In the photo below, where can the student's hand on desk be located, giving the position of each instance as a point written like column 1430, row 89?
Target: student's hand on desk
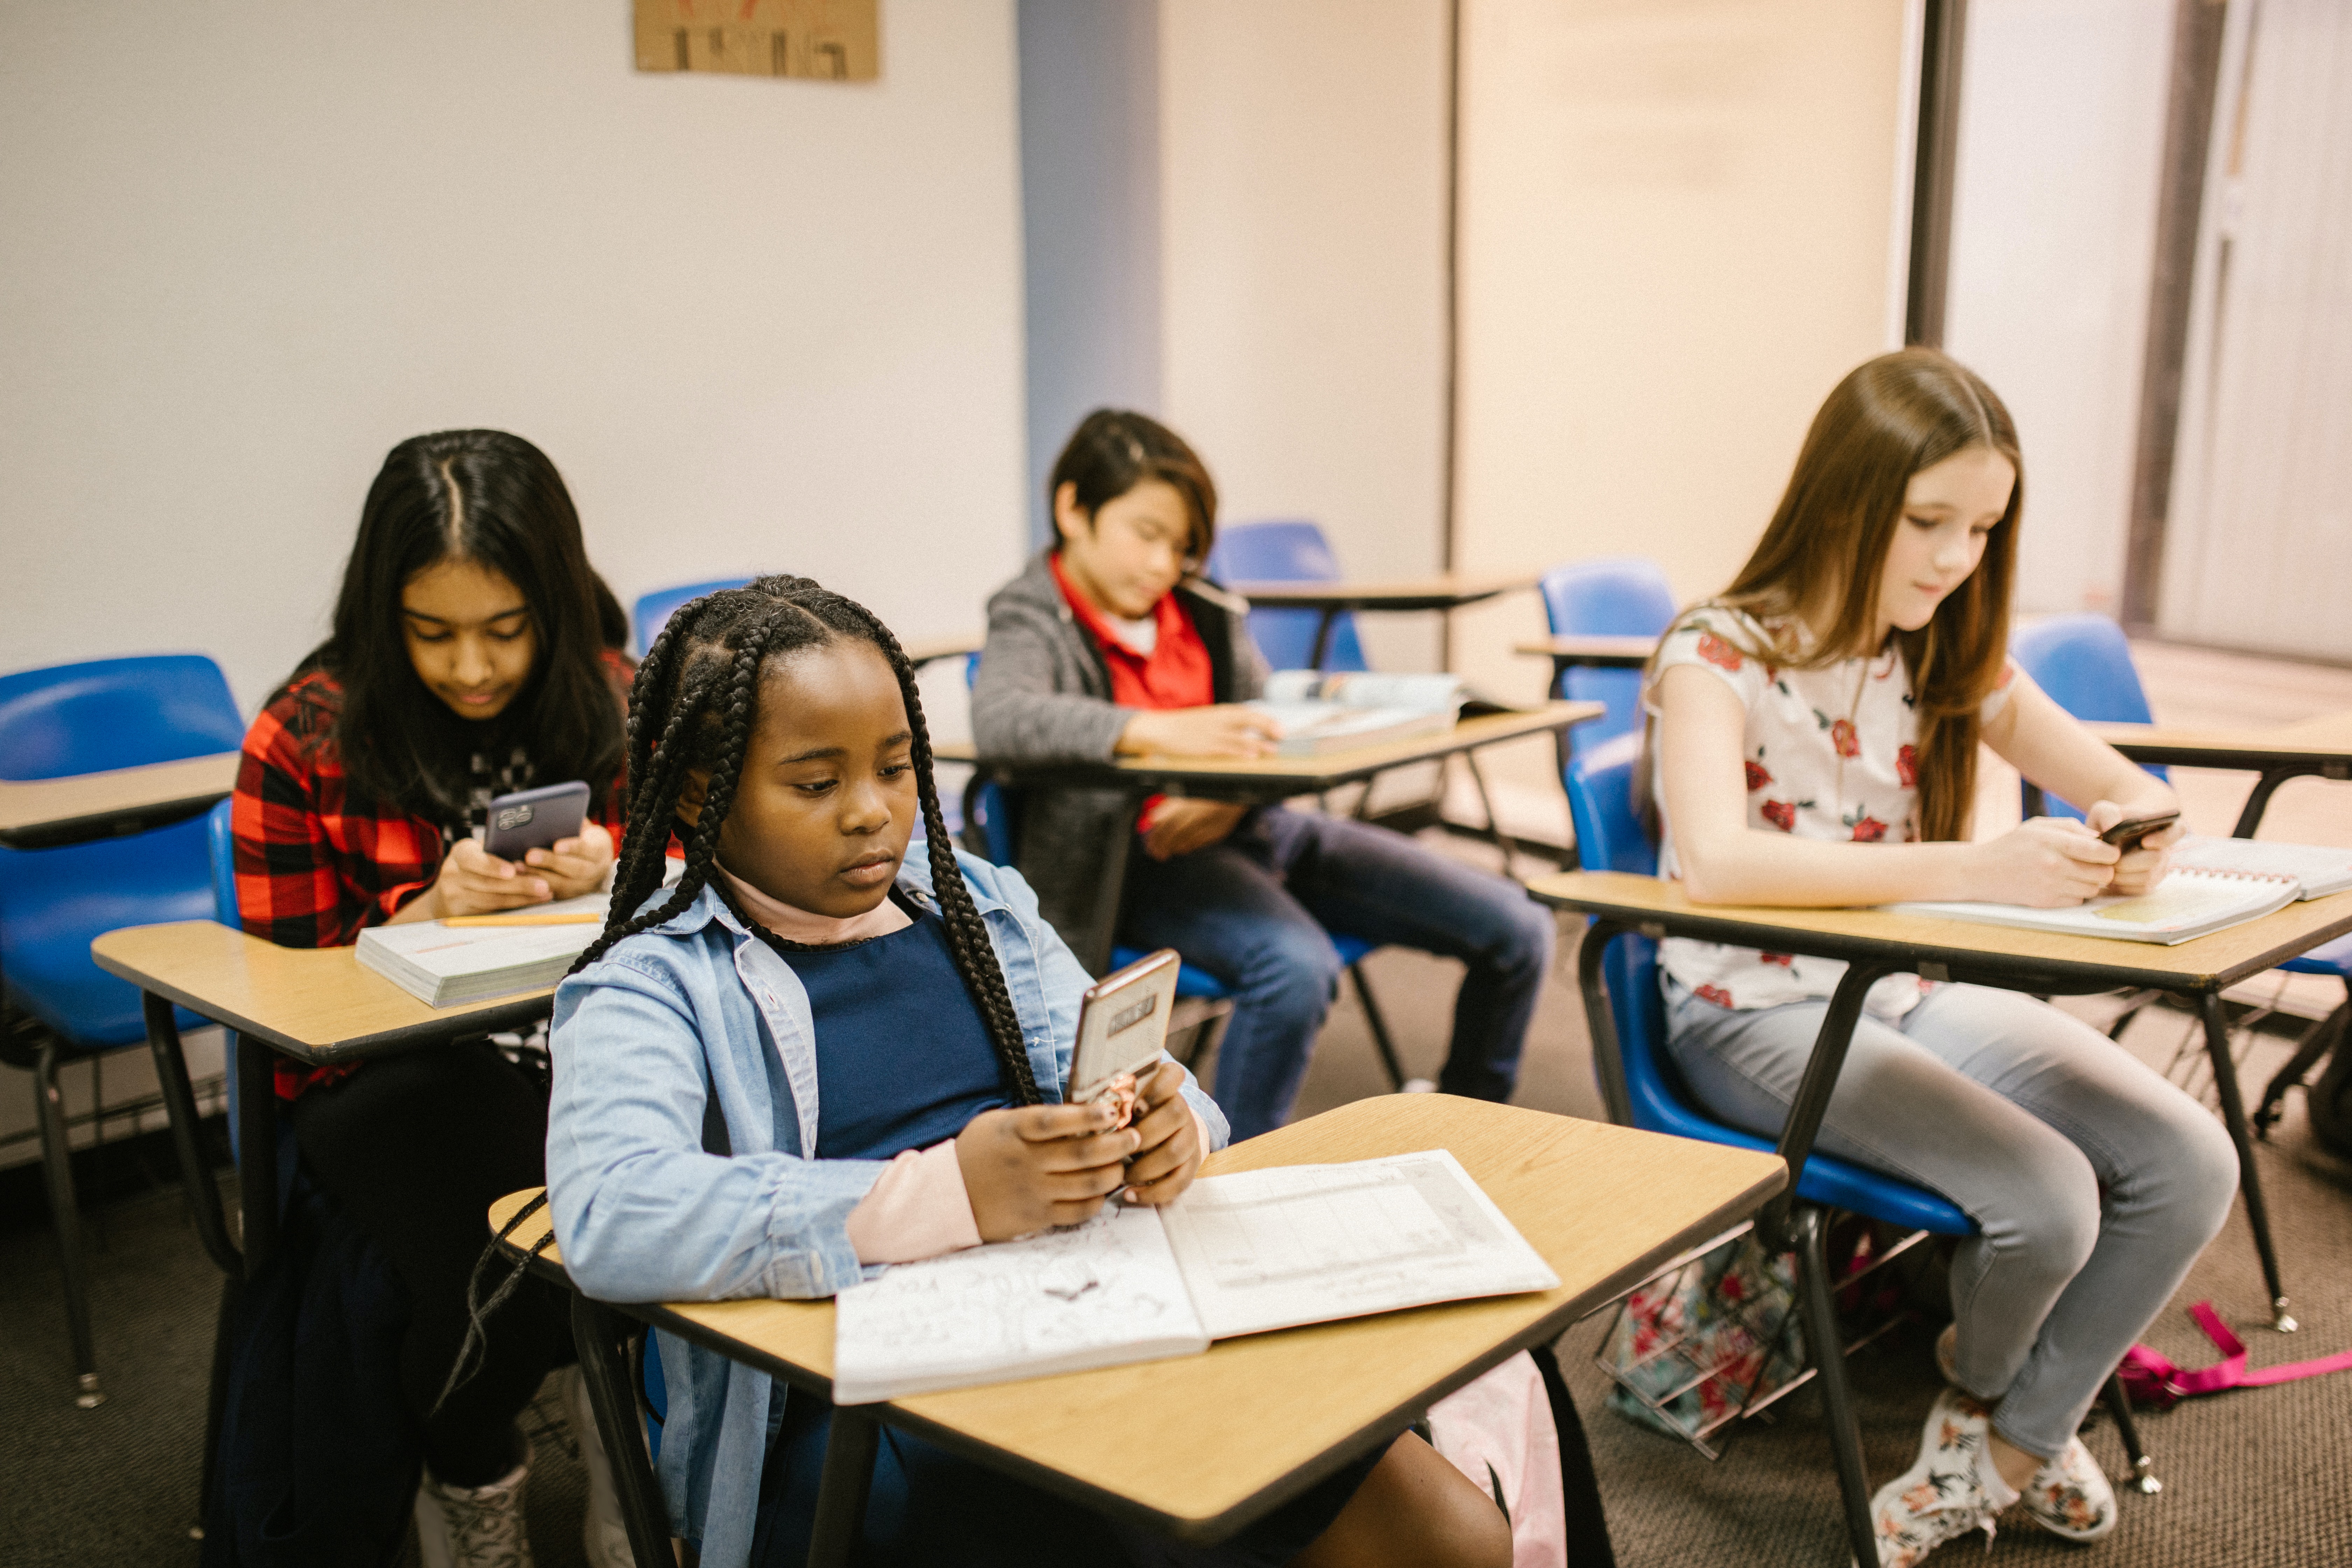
column 2047, row 863
column 574, row 866
column 1227, row 730
column 1180, row 826
column 1038, row 1165
column 2142, row 867
column 1170, row 1153
column 473, row 881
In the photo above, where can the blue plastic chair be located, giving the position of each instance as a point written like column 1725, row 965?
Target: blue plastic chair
column 654, row 610
column 2084, row 664
column 1608, row 595
column 1292, row 551
column 55, row 723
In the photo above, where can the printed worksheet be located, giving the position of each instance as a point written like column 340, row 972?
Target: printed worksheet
column 1098, row 1294
column 1306, row 1244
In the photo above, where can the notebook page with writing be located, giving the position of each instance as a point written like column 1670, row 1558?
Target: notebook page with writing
column 1099, row 1294
column 1307, row 1244
column 2320, row 870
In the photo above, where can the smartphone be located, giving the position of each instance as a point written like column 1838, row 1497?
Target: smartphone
column 1123, row 1024
column 2127, row 834
column 534, row 819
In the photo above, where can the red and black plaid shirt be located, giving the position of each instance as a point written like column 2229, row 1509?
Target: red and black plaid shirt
column 315, row 867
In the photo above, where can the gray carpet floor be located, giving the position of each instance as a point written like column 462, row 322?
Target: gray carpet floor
column 2253, row 1479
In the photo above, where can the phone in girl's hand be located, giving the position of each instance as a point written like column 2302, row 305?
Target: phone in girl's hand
column 535, row 819
column 1123, row 1027
column 2126, row 835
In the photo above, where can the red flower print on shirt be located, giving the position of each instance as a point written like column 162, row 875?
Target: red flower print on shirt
column 1714, row 994
column 1781, row 813
column 1907, row 765
column 1869, row 830
column 1716, row 651
column 1785, row 960
column 1842, row 737
column 1756, row 776
column 2008, row 674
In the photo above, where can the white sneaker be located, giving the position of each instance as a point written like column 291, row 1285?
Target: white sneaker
column 605, row 1536
column 1947, row 1353
column 474, row 1527
column 1945, row 1495
column 2070, row 1496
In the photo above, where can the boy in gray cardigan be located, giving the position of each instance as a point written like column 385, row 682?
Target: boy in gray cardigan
column 1111, row 643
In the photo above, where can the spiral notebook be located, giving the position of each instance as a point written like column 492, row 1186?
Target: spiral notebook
column 2189, row 903
column 2317, row 869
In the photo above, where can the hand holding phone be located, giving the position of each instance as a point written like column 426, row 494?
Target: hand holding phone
column 2127, row 834
column 1122, row 1030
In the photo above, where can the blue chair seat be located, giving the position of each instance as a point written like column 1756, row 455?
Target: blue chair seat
column 654, row 610
column 1291, row 551
column 2332, row 959
column 1608, row 595
column 56, row 899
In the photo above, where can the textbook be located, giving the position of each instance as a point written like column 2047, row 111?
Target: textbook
column 2190, row 902
column 443, row 965
column 2318, row 871
column 1244, row 1254
column 1324, row 714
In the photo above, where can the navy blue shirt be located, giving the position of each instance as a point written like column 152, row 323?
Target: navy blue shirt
column 903, row 1060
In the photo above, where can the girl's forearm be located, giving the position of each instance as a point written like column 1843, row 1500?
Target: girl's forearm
column 1748, row 866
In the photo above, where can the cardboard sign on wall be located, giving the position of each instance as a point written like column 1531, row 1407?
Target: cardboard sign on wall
column 831, row 40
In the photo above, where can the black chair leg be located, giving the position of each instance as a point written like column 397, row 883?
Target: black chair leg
column 1815, row 1297
column 217, row 1394
column 2118, row 1401
column 65, row 1212
column 2250, row 1183
column 1379, row 1026
column 600, row 1335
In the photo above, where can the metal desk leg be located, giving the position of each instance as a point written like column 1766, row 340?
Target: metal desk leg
column 598, row 1333
column 1600, row 1019
column 849, row 1448
column 2249, row 816
column 65, row 1213
column 2233, row 1116
column 2143, row 1477
column 179, row 1105
column 256, row 1152
column 1812, row 1100
column 1102, row 933
column 1810, row 1238
column 1322, row 637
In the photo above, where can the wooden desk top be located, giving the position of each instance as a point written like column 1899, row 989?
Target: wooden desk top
column 1603, row 1205
column 1446, row 591
column 2324, row 742
column 316, row 1004
column 1594, row 652
column 2064, row 962
column 38, row 813
column 920, row 651
column 1280, row 777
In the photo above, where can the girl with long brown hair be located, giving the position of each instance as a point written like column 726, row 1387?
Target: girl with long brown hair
column 1814, row 744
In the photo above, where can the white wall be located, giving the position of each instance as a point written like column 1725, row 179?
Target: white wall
column 1303, row 221
column 2054, row 241
column 248, row 245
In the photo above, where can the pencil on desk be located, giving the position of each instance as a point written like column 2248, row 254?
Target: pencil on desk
column 575, row 918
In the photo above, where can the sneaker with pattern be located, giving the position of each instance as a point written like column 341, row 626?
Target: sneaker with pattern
column 1943, row 1497
column 2069, row 1497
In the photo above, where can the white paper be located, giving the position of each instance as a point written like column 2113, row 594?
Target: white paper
column 2321, row 870
column 1100, row 1294
column 1307, row 1244
column 2186, row 904
column 442, row 965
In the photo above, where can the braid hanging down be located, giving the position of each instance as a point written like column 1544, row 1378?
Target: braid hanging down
column 693, row 706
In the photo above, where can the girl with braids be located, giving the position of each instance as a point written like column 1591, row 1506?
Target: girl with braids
column 820, row 1052
column 474, row 651
column 1816, row 734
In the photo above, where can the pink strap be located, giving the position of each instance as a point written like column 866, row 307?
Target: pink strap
column 2153, row 1380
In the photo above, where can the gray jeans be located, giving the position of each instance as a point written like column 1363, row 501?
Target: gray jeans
column 2094, row 1182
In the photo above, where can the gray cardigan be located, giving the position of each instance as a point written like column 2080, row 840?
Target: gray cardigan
column 1043, row 695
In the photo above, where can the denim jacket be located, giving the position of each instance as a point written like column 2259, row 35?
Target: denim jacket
column 641, row 1038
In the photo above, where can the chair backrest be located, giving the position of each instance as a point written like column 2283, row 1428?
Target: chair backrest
column 1608, row 595
column 2084, row 663
column 220, row 851
column 108, row 713
column 1600, row 804
column 1286, row 550
column 654, row 610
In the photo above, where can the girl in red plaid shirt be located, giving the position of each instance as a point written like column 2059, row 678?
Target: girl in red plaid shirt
column 474, row 651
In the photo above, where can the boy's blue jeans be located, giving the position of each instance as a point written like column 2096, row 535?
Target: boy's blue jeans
column 1256, row 909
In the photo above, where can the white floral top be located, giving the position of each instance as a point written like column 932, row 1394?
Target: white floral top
column 1830, row 754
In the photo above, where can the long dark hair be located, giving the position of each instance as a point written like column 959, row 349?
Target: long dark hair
column 1827, row 542
column 1114, row 450
column 693, row 707
column 487, row 497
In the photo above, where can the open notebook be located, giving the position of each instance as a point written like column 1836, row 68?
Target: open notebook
column 1236, row 1255
column 1323, row 713
column 2186, row 904
column 444, row 965
column 2316, row 869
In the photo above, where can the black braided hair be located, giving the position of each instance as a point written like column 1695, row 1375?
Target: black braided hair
column 693, row 706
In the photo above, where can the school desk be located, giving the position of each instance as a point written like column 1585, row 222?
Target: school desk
column 2312, row 748
column 1568, row 653
column 1875, row 943
column 920, row 651
column 1201, row 1446
column 1257, row 781
column 43, row 813
column 312, row 1006
column 1447, row 590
